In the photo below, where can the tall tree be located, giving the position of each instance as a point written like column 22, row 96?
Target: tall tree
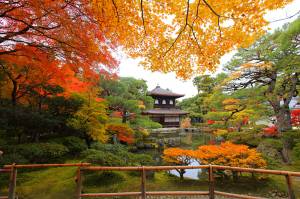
column 273, row 64
column 54, row 27
column 90, row 120
column 204, row 84
column 125, row 95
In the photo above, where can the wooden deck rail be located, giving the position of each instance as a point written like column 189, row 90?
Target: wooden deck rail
column 143, row 192
column 4, row 171
column 211, row 193
column 31, row 166
column 13, row 174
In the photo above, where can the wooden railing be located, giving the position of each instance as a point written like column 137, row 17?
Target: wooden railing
column 143, row 193
column 4, row 171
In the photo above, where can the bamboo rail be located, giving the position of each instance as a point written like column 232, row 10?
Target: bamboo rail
column 31, row 166
column 12, row 169
column 13, row 174
column 4, row 171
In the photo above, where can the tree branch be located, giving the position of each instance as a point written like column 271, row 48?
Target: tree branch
column 143, row 20
column 215, row 13
column 116, row 10
column 183, row 28
column 289, row 17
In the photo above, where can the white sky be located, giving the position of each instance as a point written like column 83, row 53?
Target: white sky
column 130, row 67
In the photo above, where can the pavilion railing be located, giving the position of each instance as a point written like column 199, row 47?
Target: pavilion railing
column 143, row 193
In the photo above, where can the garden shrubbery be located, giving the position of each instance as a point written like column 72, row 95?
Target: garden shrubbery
column 74, row 144
column 296, row 151
column 103, row 158
column 273, row 143
column 292, row 137
column 250, row 138
column 34, row 153
column 114, row 155
column 144, row 122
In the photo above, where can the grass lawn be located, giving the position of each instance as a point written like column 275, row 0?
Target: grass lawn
column 56, row 183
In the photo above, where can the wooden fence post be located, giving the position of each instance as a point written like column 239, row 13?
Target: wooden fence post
column 290, row 187
column 211, row 182
column 78, row 183
column 12, row 182
column 143, row 183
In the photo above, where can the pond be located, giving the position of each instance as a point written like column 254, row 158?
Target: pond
column 190, row 173
column 188, row 140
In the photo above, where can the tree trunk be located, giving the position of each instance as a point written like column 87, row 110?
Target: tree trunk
column 124, row 116
column 87, row 141
column 14, row 93
column 283, row 117
column 235, row 176
column 181, row 173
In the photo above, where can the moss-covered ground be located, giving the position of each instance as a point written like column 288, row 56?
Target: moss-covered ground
column 59, row 183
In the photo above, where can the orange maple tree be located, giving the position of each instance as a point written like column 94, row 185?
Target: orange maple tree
column 123, row 132
column 229, row 154
column 173, row 36
column 178, row 156
column 42, row 44
column 64, row 30
column 38, row 74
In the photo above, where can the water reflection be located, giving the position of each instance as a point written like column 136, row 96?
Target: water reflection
column 189, row 173
column 187, row 140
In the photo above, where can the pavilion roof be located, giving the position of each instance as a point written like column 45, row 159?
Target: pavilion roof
column 158, row 91
column 165, row 111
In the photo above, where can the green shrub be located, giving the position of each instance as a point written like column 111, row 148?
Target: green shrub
column 102, row 158
column 291, row 137
column 113, row 148
column 248, row 138
column 274, row 143
column 217, row 126
column 270, row 152
column 74, row 144
column 13, row 158
column 272, row 163
column 144, row 122
column 296, row 151
column 115, row 155
column 41, row 152
column 140, row 159
column 103, row 178
column 216, row 116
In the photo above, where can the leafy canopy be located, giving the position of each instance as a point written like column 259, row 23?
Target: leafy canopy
column 183, row 36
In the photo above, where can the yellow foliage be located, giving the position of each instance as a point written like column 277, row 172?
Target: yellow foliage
column 231, row 101
column 185, row 37
column 249, row 65
column 186, row 123
column 141, row 104
column 220, row 132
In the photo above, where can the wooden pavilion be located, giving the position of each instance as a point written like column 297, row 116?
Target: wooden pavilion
column 165, row 111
